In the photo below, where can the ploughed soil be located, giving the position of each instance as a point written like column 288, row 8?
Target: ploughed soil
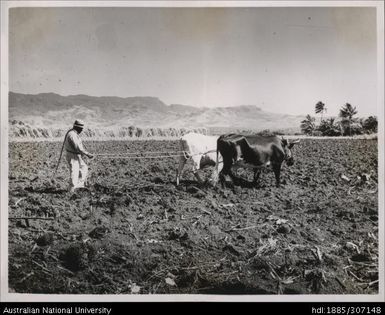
column 135, row 232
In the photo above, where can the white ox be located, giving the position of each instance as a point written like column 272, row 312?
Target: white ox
column 202, row 150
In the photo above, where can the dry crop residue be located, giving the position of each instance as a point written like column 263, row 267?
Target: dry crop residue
column 135, row 232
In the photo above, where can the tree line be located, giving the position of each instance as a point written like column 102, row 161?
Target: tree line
column 346, row 124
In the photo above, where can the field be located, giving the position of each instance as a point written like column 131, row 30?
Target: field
column 135, row 232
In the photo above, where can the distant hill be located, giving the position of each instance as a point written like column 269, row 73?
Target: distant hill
column 50, row 110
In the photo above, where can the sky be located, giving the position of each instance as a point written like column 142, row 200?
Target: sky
column 282, row 60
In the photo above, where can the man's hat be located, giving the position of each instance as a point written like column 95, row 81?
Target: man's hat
column 79, row 123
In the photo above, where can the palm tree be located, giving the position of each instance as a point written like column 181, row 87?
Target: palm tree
column 346, row 113
column 320, row 108
column 308, row 125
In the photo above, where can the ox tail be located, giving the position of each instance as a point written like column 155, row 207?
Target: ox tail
column 216, row 177
column 182, row 159
column 217, row 161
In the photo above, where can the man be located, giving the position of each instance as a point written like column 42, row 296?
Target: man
column 74, row 152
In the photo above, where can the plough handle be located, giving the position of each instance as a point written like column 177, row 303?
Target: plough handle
column 61, row 153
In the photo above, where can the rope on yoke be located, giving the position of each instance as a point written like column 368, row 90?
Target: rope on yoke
column 139, row 155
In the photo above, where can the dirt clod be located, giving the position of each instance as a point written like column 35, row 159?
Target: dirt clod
column 45, row 239
column 99, row 232
column 75, row 257
column 284, row 229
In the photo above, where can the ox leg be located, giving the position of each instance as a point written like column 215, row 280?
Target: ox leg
column 222, row 179
column 277, row 173
column 214, row 177
column 197, row 160
column 226, row 170
column 215, row 173
column 182, row 162
column 234, row 178
column 257, row 174
column 222, row 176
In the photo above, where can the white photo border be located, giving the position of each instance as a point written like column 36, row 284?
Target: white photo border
column 17, row 297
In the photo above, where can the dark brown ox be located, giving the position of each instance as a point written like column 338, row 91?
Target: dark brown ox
column 255, row 152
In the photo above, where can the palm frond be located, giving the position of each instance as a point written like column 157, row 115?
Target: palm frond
column 320, row 108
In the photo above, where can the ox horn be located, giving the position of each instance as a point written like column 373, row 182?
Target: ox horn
column 295, row 141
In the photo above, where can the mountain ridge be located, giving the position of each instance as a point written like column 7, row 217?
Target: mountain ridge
column 55, row 110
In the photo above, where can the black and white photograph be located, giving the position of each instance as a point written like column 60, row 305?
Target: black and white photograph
column 192, row 150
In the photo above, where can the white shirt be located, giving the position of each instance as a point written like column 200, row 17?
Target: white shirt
column 73, row 143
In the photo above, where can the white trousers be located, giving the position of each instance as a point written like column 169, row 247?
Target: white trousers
column 78, row 171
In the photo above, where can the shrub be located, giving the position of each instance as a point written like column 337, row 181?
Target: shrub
column 370, row 124
column 308, row 125
column 329, row 127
